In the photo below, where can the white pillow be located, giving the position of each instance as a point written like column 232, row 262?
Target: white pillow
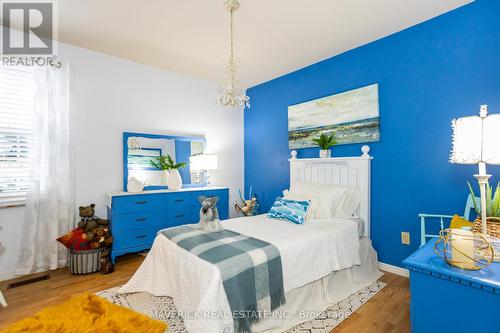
column 328, row 197
column 348, row 204
column 313, row 206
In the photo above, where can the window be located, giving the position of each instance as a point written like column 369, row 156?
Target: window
column 17, row 91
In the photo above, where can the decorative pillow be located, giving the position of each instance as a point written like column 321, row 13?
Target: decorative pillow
column 328, row 196
column 291, row 210
column 76, row 239
column 313, row 206
column 458, row 222
column 347, row 205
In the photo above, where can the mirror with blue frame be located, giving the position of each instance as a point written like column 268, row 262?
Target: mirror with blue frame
column 141, row 150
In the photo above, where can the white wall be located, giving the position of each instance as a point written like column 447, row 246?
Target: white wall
column 113, row 95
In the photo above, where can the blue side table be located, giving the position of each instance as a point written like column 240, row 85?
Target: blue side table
column 449, row 299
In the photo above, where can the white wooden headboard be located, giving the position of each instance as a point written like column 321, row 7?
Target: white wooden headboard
column 345, row 171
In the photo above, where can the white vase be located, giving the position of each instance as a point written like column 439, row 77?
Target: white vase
column 325, row 153
column 164, row 177
column 174, row 180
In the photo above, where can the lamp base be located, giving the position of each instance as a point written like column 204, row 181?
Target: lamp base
column 482, row 179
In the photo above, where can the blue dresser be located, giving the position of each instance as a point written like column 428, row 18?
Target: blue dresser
column 447, row 299
column 136, row 218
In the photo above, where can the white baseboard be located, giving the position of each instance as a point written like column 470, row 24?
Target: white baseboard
column 393, row 269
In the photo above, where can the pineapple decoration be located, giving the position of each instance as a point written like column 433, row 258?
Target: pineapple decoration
column 247, row 207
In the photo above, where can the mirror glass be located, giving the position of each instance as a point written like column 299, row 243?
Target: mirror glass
column 139, row 150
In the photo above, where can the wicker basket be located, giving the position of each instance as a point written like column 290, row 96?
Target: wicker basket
column 85, row 262
column 492, row 226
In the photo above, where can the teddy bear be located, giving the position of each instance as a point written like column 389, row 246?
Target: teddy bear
column 106, row 264
column 89, row 222
column 100, row 238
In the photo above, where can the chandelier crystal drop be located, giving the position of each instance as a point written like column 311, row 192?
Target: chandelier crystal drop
column 231, row 94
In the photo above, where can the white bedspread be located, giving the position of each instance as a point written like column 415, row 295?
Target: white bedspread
column 308, row 253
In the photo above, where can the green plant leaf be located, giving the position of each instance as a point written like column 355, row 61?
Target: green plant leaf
column 474, row 201
column 166, row 162
column 324, row 141
column 495, row 207
column 488, row 200
column 153, row 163
column 158, row 163
column 179, row 165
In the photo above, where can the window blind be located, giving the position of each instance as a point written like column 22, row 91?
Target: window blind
column 17, row 92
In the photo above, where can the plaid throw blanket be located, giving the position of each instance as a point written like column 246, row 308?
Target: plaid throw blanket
column 250, row 268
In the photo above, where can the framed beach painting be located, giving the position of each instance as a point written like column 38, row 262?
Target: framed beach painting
column 352, row 115
column 140, row 159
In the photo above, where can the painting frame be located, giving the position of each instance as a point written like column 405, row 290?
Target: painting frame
column 138, row 160
column 353, row 116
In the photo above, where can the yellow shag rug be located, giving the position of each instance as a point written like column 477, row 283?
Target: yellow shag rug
column 87, row 313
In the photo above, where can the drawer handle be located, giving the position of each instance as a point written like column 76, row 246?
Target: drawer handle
column 140, row 236
column 141, row 219
column 140, row 202
column 179, row 200
column 179, row 216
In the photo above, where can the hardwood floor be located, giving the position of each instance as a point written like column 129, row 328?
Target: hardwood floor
column 386, row 312
column 29, row 299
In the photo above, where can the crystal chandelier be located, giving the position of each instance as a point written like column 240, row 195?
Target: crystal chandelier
column 231, row 94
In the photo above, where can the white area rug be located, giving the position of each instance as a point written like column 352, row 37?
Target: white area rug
column 163, row 308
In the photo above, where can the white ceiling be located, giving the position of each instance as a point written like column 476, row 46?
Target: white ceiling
column 273, row 37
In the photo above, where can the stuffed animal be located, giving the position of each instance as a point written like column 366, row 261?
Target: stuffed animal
column 209, row 216
column 106, row 264
column 95, row 229
column 89, row 222
column 91, row 233
column 100, row 238
column 247, row 207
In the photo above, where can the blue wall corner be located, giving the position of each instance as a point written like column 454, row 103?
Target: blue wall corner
column 427, row 75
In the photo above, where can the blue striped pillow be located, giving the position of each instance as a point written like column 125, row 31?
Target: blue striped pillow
column 291, row 210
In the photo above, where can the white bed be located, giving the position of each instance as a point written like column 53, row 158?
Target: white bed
column 322, row 258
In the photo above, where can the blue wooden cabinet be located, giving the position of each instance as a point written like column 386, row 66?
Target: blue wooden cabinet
column 135, row 219
column 448, row 299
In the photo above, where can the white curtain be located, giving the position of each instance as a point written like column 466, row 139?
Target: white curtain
column 50, row 203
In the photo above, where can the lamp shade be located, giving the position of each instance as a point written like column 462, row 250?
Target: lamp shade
column 203, row 162
column 476, row 139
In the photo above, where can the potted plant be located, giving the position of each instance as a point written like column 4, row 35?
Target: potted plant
column 166, row 163
column 325, row 142
column 492, row 210
column 161, row 163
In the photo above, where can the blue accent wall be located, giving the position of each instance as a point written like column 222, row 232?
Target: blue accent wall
column 427, row 75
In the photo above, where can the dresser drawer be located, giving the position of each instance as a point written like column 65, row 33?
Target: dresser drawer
column 178, row 200
column 178, row 217
column 150, row 219
column 137, row 203
column 136, row 218
column 132, row 238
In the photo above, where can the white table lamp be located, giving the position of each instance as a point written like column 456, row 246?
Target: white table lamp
column 476, row 140
column 202, row 164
